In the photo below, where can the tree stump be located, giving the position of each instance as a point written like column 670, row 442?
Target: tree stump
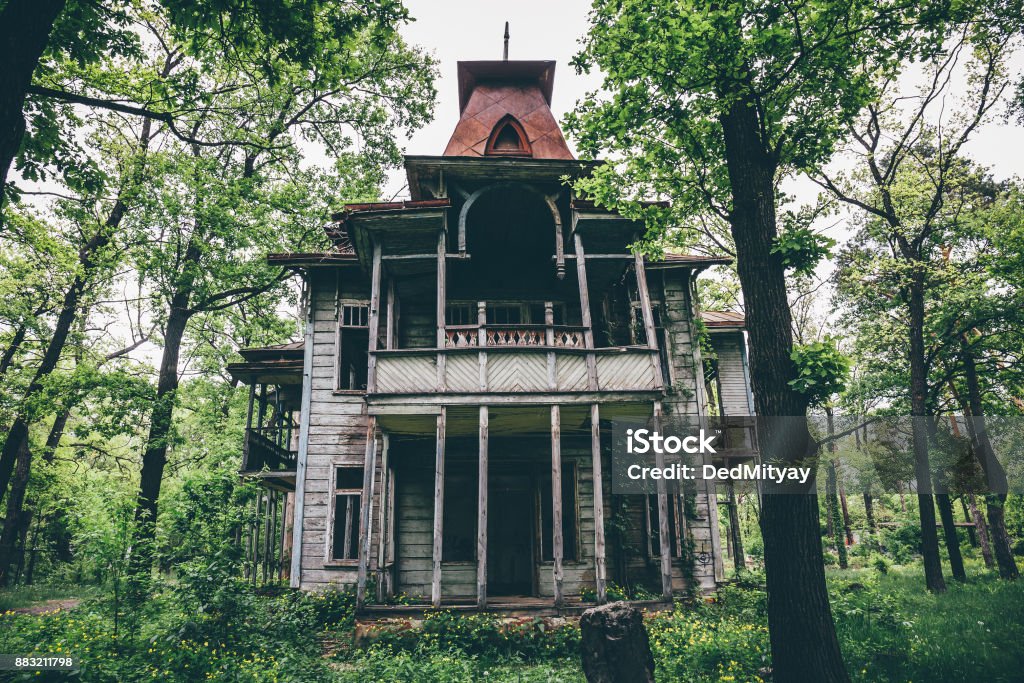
column 614, row 645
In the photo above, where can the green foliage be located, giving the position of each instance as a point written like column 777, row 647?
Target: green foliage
column 801, row 249
column 821, row 371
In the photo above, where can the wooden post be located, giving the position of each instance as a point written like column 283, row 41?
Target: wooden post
column 645, row 306
column 441, row 300
column 665, row 540
column 382, row 530
column 435, row 582
column 248, row 426
column 282, row 567
column 295, row 572
column 481, row 341
column 481, row 515
column 374, row 320
column 600, row 568
column 365, row 505
column 556, row 501
column 389, row 339
column 549, row 341
column 588, row 329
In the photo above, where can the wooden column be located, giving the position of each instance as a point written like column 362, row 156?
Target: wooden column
column 248, row 426
column 648, row 313
column 600, row 568
column 374, row 319
column 441, row 299
column 365, row 506
column 588, row 329
column 481, row 514
column 481, row 341
column 435, row 582
column 663, row 527
column 556, row 501
column 390, row 319
column 549, row 341
column 382, row 531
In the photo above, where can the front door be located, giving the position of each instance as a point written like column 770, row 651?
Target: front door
column 510, row 515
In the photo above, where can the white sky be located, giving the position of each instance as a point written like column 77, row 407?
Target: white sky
column 456, row 30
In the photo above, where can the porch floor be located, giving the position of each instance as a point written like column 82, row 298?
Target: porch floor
column 503, row 605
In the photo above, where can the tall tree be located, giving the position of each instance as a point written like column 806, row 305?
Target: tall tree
column 37, row 37
column 907, row 164
column 709, row 105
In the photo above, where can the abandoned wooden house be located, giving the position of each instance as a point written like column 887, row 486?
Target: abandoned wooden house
column 442, row 431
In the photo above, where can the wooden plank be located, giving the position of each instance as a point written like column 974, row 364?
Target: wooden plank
column 600, row 568
column 556, row 501
column 435, row 583
column 300, row 471
column 365, row 508
column 588, row 328
column 663, row 527
column 481, row 518
column 374, row 319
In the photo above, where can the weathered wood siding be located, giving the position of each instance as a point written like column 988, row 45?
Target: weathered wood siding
column 687, row 399
column 337, row 436
column 732, row 374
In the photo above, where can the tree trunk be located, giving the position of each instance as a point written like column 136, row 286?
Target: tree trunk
column 803, row 637
column 25, row 27
column 919, row 417
column 12, row 520
column 614, row 645
column 869, row 510
column 155, row 457
column 956, row 561
column 844, row 506
column 993, row 469
column 972, row 532
column 982, row 529
column 835, row 523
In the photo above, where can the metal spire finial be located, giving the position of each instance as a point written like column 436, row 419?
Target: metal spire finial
column 506, row 41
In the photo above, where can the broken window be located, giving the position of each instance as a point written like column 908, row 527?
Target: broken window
column 570, row 529
column 348, row 492
column 353, row 343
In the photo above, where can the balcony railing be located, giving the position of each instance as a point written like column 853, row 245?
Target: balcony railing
column 263, row 451
column 475, row 336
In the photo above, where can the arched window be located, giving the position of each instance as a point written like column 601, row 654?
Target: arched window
column 508, row 139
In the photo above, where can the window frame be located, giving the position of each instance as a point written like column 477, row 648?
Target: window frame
column 352, row 515
column 343, row 306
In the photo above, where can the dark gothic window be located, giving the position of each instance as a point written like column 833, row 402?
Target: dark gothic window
column 508, row 139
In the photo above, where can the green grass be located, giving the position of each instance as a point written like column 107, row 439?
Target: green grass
column 27, row 596
column 890, row 630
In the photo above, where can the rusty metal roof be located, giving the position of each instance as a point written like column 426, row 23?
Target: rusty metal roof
column 723, row 319
column 492, row 91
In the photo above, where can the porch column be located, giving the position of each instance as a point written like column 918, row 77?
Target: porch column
column 481, row 515
column 663, row 530
column 556, row 501
column 588, row 328
column 373, row 321
column 600, row 569
column 435, row 582
column 441, row 298
column 248, row 425
column 365, row 506
column 383, row 517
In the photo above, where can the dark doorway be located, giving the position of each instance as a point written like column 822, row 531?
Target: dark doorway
column 510, row 521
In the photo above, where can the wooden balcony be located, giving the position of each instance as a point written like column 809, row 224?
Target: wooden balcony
column 263, row 452
column 523, row 366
